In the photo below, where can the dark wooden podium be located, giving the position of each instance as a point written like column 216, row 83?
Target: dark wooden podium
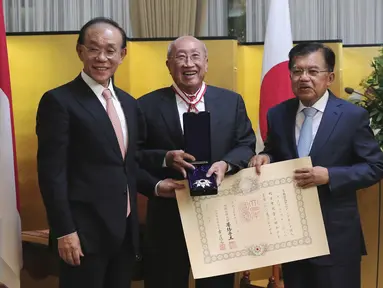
column 39, row 261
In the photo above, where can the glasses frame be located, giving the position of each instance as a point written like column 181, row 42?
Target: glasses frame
column 307, row 72
column 99, row 51
column 183, row 59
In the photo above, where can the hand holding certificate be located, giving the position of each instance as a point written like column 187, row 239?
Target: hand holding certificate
column 253, row 221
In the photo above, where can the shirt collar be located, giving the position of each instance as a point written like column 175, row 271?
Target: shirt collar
column 96, row 87
column 320, row 105
column 179, row 99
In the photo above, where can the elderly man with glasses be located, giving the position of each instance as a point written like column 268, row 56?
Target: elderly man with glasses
column 232, row 146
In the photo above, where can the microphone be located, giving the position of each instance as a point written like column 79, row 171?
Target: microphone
column 355, row 96
column 350, row 90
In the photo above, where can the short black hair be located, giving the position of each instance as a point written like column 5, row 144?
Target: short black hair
column 306, row 48
column 97, row 20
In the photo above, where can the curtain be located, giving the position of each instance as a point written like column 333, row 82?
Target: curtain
column 62, row 15
column 353, row 21
column 163, row 18
column 173, row 18
column 218, row 17
column 212, row 18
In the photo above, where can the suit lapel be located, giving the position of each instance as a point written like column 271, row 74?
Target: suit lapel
column 329, row 120
column 169, row 112
column 290, row 121
column 90, row 102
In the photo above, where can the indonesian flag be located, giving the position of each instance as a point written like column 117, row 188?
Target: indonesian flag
column 10, row 228
column 275, row 86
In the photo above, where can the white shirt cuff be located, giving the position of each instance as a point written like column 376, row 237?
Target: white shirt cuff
column 66, row 235
column 156, row 188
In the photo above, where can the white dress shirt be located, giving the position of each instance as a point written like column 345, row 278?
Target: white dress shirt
column 320, row 105
column 183, row 107
column 97, row 90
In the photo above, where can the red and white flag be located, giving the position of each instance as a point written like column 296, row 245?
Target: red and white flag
column 10, row 228
column 275, row 86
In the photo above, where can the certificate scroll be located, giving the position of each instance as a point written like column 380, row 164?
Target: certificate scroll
column 254, row 221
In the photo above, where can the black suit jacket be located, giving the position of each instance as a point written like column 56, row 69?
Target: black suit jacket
column 344, row 144
column 232, row 137
column 82, row 176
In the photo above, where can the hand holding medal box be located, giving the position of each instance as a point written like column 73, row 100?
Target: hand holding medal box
column 197, row 143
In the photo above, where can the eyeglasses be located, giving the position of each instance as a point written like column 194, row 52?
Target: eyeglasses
column 95, row 52
column 310, row 72
column 182, row 59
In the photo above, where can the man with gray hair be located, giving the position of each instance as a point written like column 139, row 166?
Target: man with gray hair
column 162, row 155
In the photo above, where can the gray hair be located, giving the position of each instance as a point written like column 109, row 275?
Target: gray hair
column 171, row 45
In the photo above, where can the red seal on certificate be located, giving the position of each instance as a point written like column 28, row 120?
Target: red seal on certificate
column 249, row 210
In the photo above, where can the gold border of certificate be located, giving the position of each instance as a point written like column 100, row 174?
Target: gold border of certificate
column 254, row 221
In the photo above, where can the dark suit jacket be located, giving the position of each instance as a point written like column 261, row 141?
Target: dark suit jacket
column 346, row 146
column 232, row 137
column 82, row 176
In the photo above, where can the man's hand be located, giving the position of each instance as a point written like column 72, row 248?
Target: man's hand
column 166, row 188
column 258, row 160
column 309, row 177
column 176, row 160
column 219, row 169
column 70, row 249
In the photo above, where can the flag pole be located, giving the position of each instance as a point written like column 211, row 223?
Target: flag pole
column 277, row 45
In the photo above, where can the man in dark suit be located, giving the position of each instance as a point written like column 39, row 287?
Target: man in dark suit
column 87, row 131
column 232, row 145
column 345, row 157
